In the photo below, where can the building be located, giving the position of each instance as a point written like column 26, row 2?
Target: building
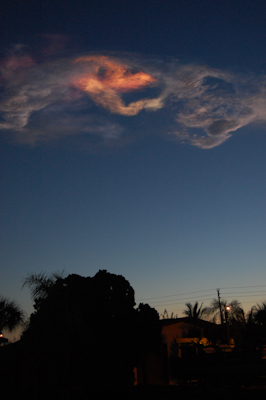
column 186, row 332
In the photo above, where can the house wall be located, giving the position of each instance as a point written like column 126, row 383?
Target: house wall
column 176, row 332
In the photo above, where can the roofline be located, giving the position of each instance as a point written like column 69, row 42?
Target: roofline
column 188, row 320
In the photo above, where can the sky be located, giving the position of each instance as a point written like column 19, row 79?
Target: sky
column 132, row 139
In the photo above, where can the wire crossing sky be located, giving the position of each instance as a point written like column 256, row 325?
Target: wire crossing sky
column 132, row 139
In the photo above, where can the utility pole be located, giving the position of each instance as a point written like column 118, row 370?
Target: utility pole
column 219, row 300
column 226, row 309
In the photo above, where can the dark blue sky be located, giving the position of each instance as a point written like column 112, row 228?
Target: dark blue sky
column 219, row 33
column 133, row 140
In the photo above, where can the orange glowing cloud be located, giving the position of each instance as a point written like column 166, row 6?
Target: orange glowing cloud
column 105, row 78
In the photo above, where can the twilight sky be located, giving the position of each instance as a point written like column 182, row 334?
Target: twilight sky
column 132, row 139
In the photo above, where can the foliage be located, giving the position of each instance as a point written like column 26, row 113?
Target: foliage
column 40, row 284
column 195, row 311
column 11, row 315
column 260, row 314
column 87, row 333
column 165, row 315
column 236, row 312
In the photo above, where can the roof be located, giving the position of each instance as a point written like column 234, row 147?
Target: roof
column 201, row 323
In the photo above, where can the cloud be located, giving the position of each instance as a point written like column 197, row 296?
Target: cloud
column 56, row 124
column 105, row 79
column 43, row 101
column 216, row 103
column 61, row 85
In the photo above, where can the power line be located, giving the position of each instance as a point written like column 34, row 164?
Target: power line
column 258, row 291
column 242, row 287
column 201, row 291
column 174, row 295
column 166, row 303
column 181, row 301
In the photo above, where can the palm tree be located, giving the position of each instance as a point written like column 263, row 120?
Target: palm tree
column 40, row 284
column 11, row 316
column 195, row 311
column 165, row 315
column 226, row 311
column 260, row 314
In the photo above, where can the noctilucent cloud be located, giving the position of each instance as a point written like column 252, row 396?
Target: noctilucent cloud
column 133, row 140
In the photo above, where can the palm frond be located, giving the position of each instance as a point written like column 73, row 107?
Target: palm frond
column 11, row 314
column 39, row 284
column 194, row 311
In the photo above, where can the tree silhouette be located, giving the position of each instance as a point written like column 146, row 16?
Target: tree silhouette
column 87, row 333
column 250, row 317
column 255, row 328
column 260, row 314
column 234, row 312
column 11, row 315
column 195, row 311
column 165, row 315
column 39, row 285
